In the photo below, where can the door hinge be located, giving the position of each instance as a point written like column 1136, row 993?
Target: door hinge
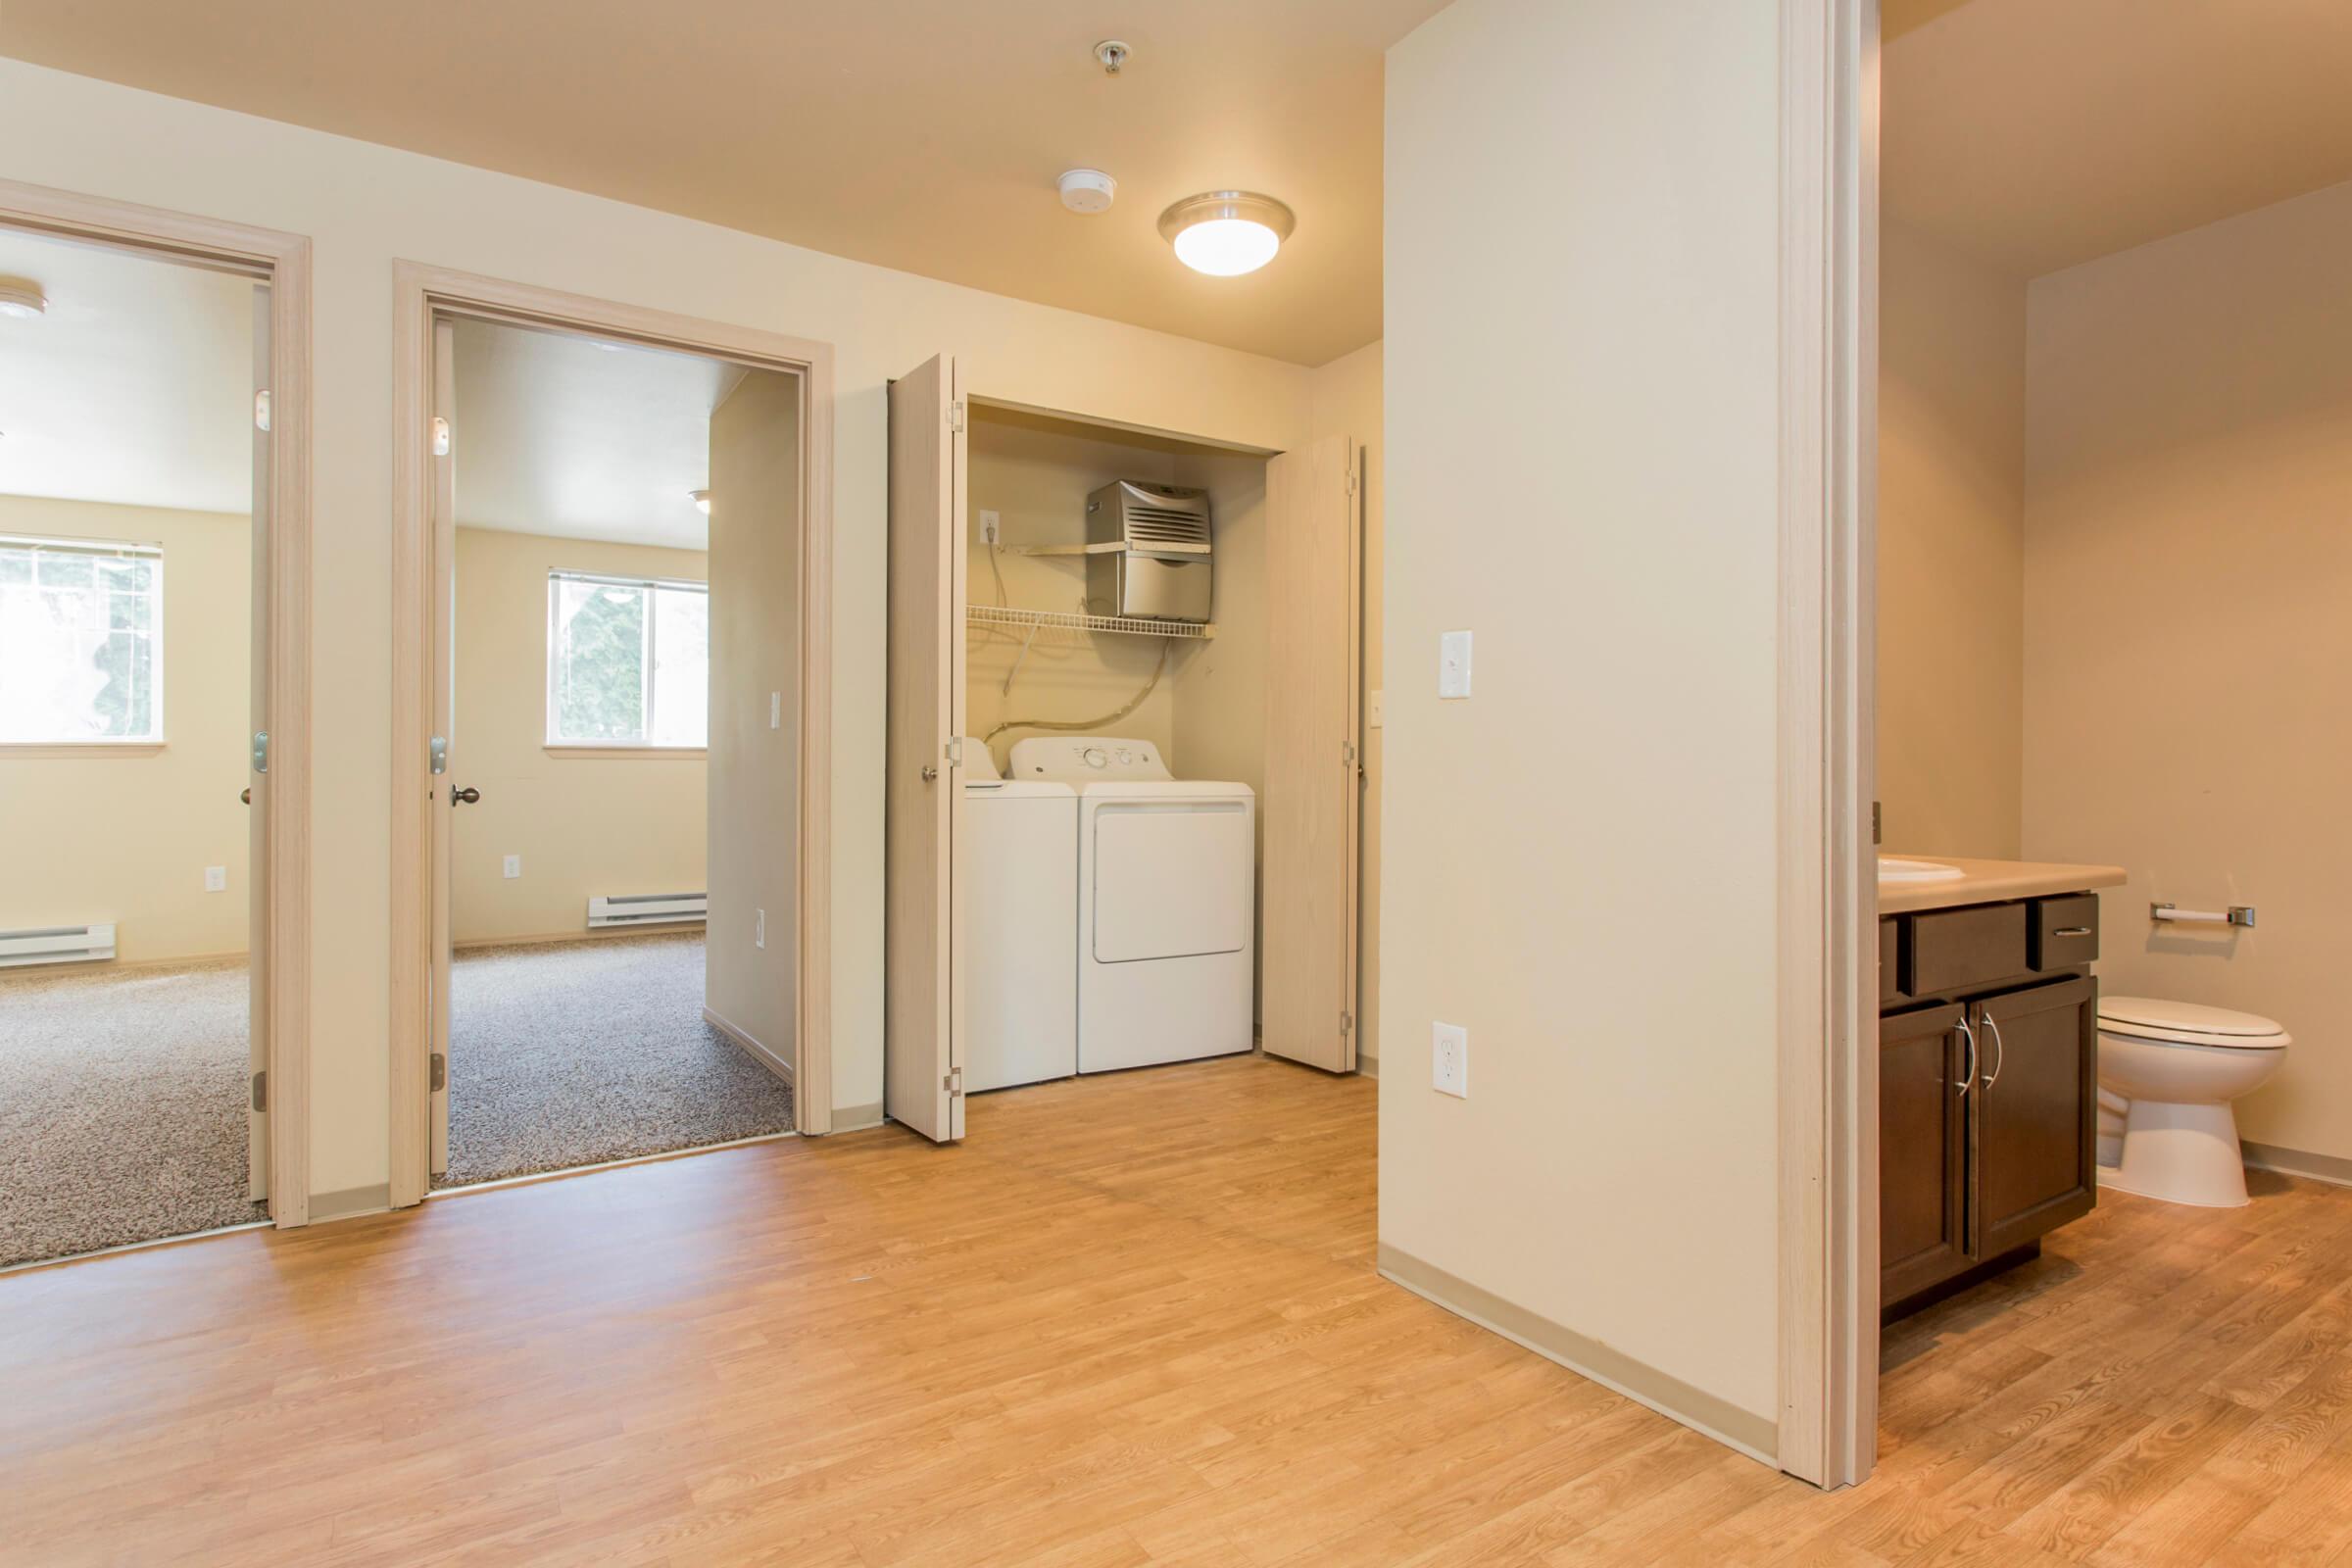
column 261, row 751
column 440, row 436
column 261, row 410
column 952, row 1083
column 1875, row 837
column 956, row 414
column 1346, row 751
column 436, row 752
column 439, row 1076
column 261, row 1090
column 1351, row 481
column 1347, row 1023
column 953, row 752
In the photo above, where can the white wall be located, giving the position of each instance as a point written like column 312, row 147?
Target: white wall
column 1582, row 385
column 2189, row 623
column 364, row 204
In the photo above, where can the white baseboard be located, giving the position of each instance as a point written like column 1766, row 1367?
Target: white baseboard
column 749, row 1046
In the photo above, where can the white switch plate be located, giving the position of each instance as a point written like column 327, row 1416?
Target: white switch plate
column 1449, row 1059
column 1454, row 663
column 775, row 709
column 215, row 879
column 1372, row 710
column 759, row 928
column 990, row 528
column 513, row 866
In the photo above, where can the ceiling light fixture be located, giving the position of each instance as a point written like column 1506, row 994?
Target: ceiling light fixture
column 700, row 500
column 22, row 299
column 1087, row 190
column 1226, row 232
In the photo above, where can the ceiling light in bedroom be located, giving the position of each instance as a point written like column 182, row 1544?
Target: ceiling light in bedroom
column 700, row 500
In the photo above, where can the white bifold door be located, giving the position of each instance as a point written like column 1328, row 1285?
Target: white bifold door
column 1312, row 802
column 442, row 697
column 256, row 783
column 923, row 793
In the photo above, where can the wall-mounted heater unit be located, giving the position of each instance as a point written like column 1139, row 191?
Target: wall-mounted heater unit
column 1147, row 551
column 649, row 909
column 61, row 944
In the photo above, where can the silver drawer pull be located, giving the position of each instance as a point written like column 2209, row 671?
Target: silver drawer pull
column 2072, row 931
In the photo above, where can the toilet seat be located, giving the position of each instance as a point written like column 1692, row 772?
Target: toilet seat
column 2188, row 1023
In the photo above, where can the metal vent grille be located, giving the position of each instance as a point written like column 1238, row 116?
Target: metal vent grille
column 1163, row 525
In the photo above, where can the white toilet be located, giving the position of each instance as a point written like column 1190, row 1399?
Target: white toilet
column 2167, row 1073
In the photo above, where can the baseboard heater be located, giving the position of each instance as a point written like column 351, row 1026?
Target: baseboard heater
column 649, row 909
column 63, row 944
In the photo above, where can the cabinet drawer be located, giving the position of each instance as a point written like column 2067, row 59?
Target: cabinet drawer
column 2065, row 931
column 1890, row 979
column 1955, row 948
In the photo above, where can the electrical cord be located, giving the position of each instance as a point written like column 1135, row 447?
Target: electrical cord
column 1133, row 703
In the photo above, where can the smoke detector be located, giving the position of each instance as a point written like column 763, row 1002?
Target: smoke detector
column 1087, row 190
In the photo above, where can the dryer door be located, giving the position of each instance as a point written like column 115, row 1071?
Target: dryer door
column 1173, row 879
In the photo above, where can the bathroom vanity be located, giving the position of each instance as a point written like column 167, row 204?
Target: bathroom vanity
column 1988, row 1068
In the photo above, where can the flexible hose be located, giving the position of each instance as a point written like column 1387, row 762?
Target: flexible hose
column 1133, row 703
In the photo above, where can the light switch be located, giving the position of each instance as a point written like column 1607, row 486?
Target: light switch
column 775, row 709
column 513, row 866
column 1372, row 710
column 1454, row 663
column 215, row 879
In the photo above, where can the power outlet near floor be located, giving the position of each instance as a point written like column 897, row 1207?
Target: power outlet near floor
column 513, row 866
column 1449, row 1059
column 759, row 928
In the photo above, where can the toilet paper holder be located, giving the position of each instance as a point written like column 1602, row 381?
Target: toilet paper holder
column 2236, row 914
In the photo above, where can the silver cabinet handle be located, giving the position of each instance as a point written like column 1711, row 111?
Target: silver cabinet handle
column 2072, row 931
column 1968, row 1079
column 2002, row 1060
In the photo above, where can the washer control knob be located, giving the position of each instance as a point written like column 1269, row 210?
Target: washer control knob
column 1095, row 756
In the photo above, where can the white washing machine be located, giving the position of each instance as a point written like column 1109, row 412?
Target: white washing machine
column 1020, row 927
column 1168, row 922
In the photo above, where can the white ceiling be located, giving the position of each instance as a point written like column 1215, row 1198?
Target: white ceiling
column 135, row 388
column 561, row 435
column 920, row 134
column 2038, row 134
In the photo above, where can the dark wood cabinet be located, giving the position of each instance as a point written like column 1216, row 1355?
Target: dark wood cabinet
column 1987, row 1091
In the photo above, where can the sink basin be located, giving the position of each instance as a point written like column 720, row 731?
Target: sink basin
column 1895, row 868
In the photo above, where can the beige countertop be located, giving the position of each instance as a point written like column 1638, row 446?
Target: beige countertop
column 1992, row 882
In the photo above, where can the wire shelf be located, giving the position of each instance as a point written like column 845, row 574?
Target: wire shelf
column 1067, row 620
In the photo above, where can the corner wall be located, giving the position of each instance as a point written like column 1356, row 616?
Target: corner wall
column 1579, row 862
column 1952, row 549
column 2189, row 623
column 125, row 835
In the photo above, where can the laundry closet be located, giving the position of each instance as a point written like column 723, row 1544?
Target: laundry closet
column 1124, row 741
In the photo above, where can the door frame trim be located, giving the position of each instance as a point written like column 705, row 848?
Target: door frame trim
column 1828, row 888
column 285, row 261
column 420, row 292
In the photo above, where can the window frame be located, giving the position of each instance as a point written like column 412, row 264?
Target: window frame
column 557, row 577
column 152, row 551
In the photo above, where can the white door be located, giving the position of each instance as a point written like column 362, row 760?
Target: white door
column 256, row 793
column 444, row 551
column 1312, row 798
column 923, row 793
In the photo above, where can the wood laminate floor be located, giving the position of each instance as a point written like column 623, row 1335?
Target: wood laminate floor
column 1131, row 1321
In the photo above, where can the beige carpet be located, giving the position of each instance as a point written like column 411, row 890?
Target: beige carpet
column 569, row 1054
column 123, row 1092
column 121, row 1107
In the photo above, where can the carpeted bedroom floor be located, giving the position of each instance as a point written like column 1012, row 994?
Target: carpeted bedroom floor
column 122, row 1095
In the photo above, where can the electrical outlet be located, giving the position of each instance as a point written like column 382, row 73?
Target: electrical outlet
column 1454, row 663
column 1372, row 710
column 990, row 526
column 759, row 928
column 1449, row 1059
column 215, row 879
column 775, row 709
column 513, row 866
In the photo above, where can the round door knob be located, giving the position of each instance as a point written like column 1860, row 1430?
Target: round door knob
column 930, row 773
column 467, row 796
column 246, row 795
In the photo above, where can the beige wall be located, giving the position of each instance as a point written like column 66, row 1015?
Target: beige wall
column 2188, row 622
column 1579, row 862
column 585, row 824
column 126, row 835
column 1348, row 402
column 364, row 204
column 754, row 656
column 1952, row 549
column 1035, row 476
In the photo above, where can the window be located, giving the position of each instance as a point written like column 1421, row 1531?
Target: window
column 628, row 661
column 80, row 642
